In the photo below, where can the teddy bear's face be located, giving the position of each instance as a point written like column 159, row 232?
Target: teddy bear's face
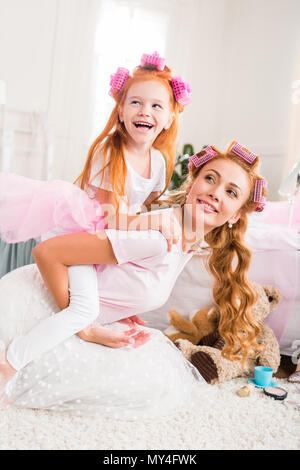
column 268, row 299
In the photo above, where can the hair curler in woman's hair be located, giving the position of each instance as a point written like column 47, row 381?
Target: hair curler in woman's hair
column 196, row 161
column 244, row 153
column 258, row 197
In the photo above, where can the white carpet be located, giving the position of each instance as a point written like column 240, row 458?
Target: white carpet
column 222, row 421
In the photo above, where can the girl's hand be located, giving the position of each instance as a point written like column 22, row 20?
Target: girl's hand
column 113, row 338
column 170, row 229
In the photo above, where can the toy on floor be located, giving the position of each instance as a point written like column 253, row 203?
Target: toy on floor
column 206, row 355
column 245, row 391
column 277, row 393
column 202, row 322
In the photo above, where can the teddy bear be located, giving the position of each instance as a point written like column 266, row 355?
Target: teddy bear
column 201, row 323
column 200, row 342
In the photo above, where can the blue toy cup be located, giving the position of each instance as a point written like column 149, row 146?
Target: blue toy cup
column 263, row 376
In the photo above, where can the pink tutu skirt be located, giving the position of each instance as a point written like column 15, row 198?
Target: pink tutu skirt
column 31, row 208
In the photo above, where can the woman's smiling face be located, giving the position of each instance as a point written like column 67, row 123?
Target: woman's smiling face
column 221, row 188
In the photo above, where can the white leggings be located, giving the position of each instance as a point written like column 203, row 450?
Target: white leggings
column 82, row 311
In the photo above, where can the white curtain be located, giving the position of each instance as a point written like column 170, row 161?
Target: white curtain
column 93, row 38
column 71, row 93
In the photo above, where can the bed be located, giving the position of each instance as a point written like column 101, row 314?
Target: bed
column 275, row 261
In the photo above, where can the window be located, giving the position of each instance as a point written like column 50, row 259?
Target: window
column 126, row 30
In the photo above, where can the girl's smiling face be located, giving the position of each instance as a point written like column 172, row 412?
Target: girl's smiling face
column 221, row 188
column 146, row 111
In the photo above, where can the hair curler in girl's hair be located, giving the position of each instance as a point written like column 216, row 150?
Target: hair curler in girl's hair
column 182, row 90
column 153, row 60
column 118, row 79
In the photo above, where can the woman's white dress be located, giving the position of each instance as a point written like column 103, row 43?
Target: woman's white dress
column 87, row 378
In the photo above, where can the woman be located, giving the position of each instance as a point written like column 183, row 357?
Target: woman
column 225, row 187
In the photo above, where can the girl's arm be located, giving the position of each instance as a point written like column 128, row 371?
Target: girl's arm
column 53, row 257
column 152, row 196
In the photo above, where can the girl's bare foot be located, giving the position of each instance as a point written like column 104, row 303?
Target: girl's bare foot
column 6, row 374
column 113, row 338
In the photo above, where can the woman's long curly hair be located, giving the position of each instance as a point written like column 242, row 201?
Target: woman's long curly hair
column 110, row 143
column 229, row 261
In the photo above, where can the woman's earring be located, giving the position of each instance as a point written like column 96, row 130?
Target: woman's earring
column 230, row 225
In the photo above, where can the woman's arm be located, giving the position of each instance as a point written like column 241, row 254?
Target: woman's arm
column 53, row 257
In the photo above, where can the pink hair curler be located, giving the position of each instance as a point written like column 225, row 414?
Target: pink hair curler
column 182, row 91
column 154, row 60
column 118, row 79
column 244, row 153
column 199, row 161
column 258, row 197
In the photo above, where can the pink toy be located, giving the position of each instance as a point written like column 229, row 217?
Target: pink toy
column 244, row 153
column 258, row 197
column 199, row 161
column 182, row 91
column 118, row 79
column 154, row 59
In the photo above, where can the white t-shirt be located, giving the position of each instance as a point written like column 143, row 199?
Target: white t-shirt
column 138, row 188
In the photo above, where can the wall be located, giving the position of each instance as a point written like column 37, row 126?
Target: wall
column 27, row 34
column 242, row 64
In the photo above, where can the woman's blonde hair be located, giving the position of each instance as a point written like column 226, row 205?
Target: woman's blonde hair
column 229, row 261
column 110, row 143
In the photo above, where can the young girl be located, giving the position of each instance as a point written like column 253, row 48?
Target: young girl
column 125, row 169
column 140, row 273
